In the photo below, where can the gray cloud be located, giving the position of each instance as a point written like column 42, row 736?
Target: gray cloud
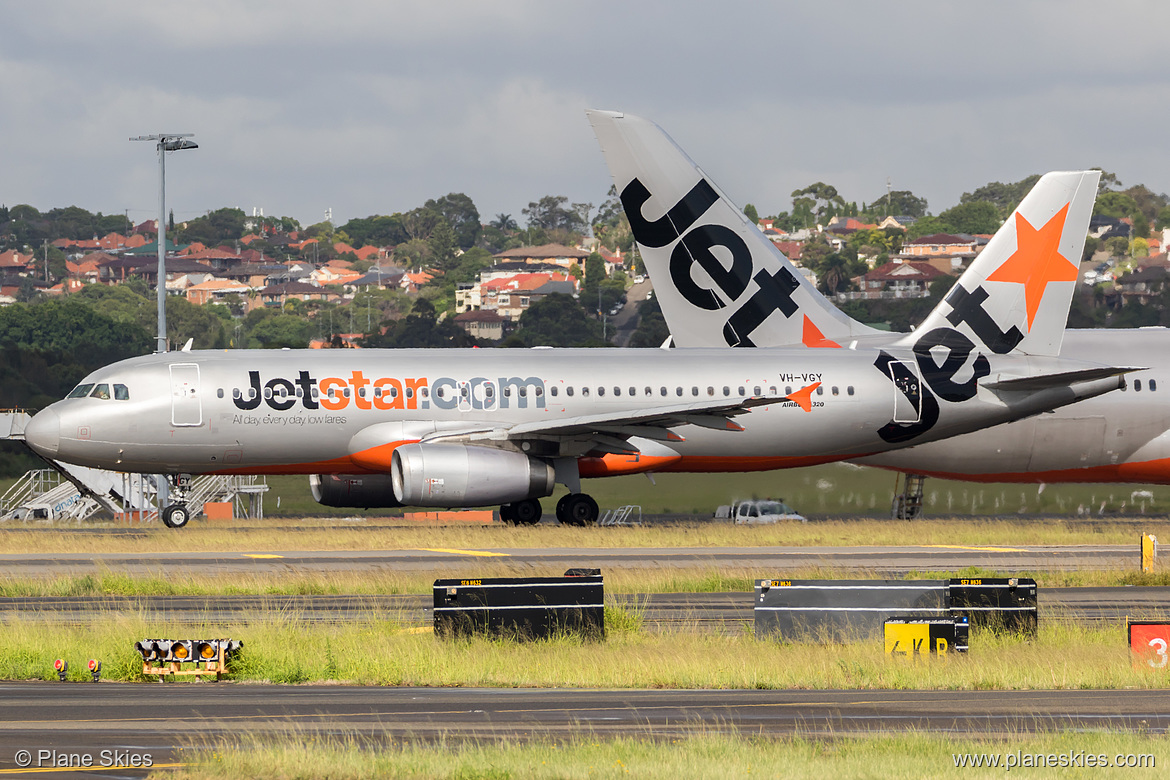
column 373, row 108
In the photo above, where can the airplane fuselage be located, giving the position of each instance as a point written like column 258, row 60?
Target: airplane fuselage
column 344, row 411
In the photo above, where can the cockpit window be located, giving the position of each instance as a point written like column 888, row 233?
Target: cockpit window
column 121, row 393
column 102, row 391
column 81, row 391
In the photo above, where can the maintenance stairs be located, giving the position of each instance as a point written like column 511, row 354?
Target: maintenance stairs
column 66, row 492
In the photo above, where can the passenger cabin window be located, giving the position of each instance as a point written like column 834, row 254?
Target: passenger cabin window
column 849, row 390
column 601, row 391
column 821, row 390
column 81, row 391
column 742, row 390
column 569, row 390
column 1153, row 385
column 836, row 391
column 218, row 393
column 585, row 390
column 617, row 391
column 101, row 391
column 551, row 391
column 694, row 390
column 1137, row 385
column 633, row 391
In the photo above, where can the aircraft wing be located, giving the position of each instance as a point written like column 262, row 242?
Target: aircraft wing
column 653, row 423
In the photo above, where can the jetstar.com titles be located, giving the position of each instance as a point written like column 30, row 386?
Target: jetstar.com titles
column 387, row 393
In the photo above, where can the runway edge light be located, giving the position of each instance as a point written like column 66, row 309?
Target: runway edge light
column 62, row 667
column 95, row 669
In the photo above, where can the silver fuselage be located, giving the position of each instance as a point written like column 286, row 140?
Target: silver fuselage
column 340, row 411
column 1118, row 437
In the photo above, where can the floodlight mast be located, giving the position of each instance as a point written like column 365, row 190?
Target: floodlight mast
column 166, row 142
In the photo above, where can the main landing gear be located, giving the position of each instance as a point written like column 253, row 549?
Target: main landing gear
column 577, row 509
column 572, row 509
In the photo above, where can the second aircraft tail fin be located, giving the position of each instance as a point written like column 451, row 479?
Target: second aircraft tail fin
column 719, row 279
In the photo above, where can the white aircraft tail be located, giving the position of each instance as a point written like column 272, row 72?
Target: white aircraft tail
column 719, row 279
column 1016, row 294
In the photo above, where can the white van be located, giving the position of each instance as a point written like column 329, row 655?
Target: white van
column 760, row 512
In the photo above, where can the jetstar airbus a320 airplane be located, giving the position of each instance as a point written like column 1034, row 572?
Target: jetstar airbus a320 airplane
column 1123, row 438
column 460, row 428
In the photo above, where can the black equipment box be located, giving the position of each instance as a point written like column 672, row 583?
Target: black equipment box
column 520, row 607
column 1004, row 603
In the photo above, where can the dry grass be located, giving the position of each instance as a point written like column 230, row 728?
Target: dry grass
column 704, row 754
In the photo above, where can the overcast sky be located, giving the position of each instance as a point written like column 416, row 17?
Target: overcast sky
column 371, row 108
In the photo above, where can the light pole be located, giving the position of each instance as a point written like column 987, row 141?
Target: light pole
column 166, row 142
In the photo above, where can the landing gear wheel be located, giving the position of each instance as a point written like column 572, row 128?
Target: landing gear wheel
column 577, row 509
column 176, row 516
column 527, row 512
column 508, row 514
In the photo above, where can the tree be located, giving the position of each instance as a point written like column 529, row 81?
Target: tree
column 556, row 321
column 218, row 227
column 442, row 243
column 750, row 212
column 504, row 222
column 280, row 330
column 826, row 202
column 652, row 330
column 974, row 216
column 1114, row 204
column 899, row 203
column 1005, row 197
column 421, row 328
column 1092, row 244
column 1117, row 246
column 461, row 216
column 594, row 276
column 552, row 213
column 376, row 230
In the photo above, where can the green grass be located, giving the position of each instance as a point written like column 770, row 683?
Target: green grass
column 838, row 489
column 384, row 582
column 704, row 754
column 386, row 650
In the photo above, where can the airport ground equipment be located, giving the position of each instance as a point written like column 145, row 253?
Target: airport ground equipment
column 621, row 515
column 908, row 503
column 521, row 607
column 1003, row 603
column 907, row 637
column 1149, row 546
column 1149, row 641
column 837, row 610
column 165, row 657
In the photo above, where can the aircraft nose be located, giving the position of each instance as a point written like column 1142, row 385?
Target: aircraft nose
column 43, row 433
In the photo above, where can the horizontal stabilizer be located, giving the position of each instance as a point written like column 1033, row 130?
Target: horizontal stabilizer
column 1034, row 383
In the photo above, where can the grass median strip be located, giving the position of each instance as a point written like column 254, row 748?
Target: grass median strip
column 283, row 648
column 282, row 534
column 389, row 582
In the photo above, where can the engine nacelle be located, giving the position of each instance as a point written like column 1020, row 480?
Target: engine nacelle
column 364, row 491
column 452, row 475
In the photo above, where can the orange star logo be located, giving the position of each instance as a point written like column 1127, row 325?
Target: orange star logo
column 1037, row 260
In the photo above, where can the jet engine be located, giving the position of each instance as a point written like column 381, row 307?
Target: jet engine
column 353, row 490
column 451, row 475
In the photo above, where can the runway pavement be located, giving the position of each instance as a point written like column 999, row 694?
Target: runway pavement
column 159, row 718
column 895, row 561
column 713, row 612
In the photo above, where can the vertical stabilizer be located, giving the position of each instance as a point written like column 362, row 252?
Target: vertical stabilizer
column 1016, row 294
column 719, row 279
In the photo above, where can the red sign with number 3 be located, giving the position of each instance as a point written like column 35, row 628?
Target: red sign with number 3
column 1150, row 643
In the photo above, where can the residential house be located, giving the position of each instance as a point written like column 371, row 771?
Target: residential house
column 276, row 295
column 216, row 290
column 946, row 252
column 482, row 324
column 13, row 262
column 556, row 254
column 1143, row 285
column 897, row 280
